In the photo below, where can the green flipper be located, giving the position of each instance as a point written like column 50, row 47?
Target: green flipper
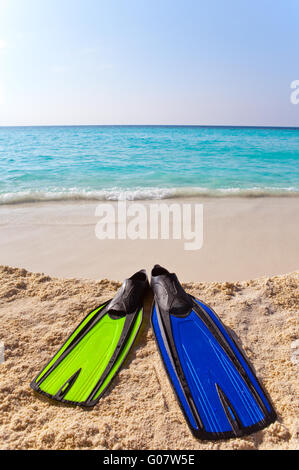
column 85, row 365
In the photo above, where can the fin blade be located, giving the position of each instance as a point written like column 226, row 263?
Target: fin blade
column 215, row 385
column 84, row 367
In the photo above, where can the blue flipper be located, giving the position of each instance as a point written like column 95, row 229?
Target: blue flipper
column 216, row 388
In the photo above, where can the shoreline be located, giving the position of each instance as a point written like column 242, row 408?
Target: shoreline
column 143, row 195
column 243, row 238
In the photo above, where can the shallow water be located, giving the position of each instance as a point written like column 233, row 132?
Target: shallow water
column 146, row 162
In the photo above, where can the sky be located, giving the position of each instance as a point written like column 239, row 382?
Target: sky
column 197, row 62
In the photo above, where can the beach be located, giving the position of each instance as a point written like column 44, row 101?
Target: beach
column 139, row 411
column 140, row 135
column 227, row 200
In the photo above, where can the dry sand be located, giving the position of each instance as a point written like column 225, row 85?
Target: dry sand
column 244, row 238
column 139, row 411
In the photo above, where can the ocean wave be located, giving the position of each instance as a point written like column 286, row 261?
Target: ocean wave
column 118, row 194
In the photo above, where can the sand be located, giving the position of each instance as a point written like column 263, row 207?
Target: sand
column 37, row 312
column 243, row 238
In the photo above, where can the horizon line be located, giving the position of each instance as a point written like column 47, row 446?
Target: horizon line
column 153, row 125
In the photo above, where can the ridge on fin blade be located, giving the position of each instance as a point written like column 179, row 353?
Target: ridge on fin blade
column 83, row 368
column 215, row 386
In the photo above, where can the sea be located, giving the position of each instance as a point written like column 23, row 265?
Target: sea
column 66, row 163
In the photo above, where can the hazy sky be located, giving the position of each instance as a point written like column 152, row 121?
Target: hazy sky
column 148, row 62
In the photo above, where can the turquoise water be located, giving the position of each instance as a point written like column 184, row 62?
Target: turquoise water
column 146, row 162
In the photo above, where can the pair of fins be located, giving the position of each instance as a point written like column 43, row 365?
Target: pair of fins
column 215, row 386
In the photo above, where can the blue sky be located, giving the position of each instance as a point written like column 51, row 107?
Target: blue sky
column 148, row 62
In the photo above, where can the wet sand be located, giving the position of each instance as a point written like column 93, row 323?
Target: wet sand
column 243, row 238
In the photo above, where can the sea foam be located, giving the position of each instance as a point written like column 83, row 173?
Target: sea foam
column 120, row 194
